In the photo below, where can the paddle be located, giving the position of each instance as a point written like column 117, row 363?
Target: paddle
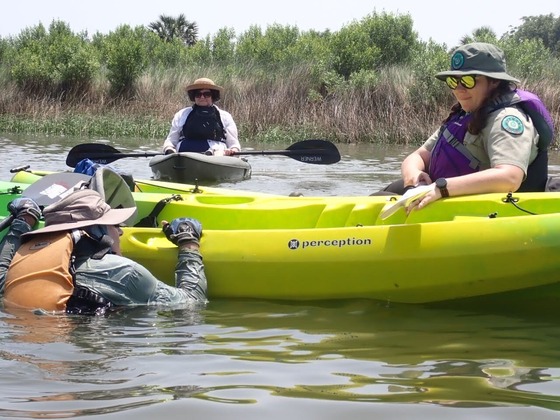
column 50, row 189
column 320, row 152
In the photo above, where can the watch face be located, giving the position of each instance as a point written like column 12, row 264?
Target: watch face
column 441, row 183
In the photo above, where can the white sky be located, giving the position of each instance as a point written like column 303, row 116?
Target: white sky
column 443, row 21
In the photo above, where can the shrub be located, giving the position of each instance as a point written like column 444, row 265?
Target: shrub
column 56, row 62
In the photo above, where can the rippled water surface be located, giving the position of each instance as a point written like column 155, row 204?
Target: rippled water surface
column 254, row 359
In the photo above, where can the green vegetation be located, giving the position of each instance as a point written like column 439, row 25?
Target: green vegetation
column 371, row 81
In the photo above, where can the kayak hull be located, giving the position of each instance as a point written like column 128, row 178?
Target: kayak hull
column 190, row 167
column 316, row 248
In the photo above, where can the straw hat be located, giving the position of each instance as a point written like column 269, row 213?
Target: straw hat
column 204, row 83
column 478, row 58
column 79, row 209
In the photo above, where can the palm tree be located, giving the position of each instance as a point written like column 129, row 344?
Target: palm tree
column 482, row 34
column 169, row 28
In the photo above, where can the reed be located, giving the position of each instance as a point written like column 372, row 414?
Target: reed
column 269, row 106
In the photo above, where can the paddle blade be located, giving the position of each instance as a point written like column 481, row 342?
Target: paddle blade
column 315, row 151
column 97, row 152
column 318, row 152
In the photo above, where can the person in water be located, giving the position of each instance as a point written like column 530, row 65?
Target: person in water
column 74, row 265
column 489, row 142
column 203, row 127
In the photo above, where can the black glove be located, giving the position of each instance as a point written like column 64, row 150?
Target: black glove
column 183, row 230
column 24, row 206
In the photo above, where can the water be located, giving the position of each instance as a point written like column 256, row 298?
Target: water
column 255, row 359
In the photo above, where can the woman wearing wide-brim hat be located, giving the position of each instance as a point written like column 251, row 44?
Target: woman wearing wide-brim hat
column 489, row 142
column 203, row 127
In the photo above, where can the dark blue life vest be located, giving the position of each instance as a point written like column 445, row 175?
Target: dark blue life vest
column 450, row 157
column 203, row 123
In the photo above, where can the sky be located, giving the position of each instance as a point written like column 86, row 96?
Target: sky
column 442, row 21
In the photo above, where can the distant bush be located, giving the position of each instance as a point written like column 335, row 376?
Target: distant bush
column 376, row 40
column 126, row 52
column 54, row 62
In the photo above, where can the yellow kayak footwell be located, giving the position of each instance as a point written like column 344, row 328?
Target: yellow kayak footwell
column 308, row 248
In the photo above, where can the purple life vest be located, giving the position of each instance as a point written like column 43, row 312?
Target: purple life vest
column 450, row 157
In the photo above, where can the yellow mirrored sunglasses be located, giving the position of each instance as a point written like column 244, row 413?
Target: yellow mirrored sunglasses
column 468, row 81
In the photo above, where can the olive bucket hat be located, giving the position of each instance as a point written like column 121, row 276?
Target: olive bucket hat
column 478, row 58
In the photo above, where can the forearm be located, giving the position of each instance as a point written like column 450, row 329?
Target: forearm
column 414, row 170
column 190, row 275
column 171, row 141
column 501, row 179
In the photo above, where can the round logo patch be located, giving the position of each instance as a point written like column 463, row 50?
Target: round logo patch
column 457, row 61
column 512, row 124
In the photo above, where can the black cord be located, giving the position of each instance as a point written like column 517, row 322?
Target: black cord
column 510, row 199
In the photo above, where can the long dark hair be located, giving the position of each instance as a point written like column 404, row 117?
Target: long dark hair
column 480, row 116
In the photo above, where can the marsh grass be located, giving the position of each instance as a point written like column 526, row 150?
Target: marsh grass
column 268, row 106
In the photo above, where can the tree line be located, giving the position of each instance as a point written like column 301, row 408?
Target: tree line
column 379, row 58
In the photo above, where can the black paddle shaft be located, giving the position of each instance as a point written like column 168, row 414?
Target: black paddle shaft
column 321, row 152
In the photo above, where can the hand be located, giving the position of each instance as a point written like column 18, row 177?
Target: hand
column 183, row 230
column 425, row 194
column 170, row 151
column 423, row 179
column 25, row 209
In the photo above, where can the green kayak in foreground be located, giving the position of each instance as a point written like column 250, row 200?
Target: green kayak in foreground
column 315, row 248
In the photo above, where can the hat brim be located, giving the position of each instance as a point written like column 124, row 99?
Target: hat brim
column 498, row 76
column 111, row 218
column 198, row 86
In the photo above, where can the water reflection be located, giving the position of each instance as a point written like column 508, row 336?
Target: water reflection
column 249, row 352
column 260, row 359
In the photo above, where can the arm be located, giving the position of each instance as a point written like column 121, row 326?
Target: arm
column 414, row 168
column 26, row 213
column 190, row 277
column 509, row 156
column 502, row 178
column 232, row 141
column 175, row 132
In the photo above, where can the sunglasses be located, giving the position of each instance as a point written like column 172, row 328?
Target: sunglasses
column 199, row 94
column 468, row 81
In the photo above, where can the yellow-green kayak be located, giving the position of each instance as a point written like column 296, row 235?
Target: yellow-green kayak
column 295, row 248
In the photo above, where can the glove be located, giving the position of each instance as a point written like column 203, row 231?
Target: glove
column 24, row 206
column 183, row 230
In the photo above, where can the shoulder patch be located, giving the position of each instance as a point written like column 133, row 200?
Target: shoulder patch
column 512, row 125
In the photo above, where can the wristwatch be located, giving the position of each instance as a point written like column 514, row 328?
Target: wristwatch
column 441, row 183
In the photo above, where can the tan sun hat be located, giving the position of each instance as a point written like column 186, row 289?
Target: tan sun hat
column 478, row 58
column 204, row 83
column 79, row 209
